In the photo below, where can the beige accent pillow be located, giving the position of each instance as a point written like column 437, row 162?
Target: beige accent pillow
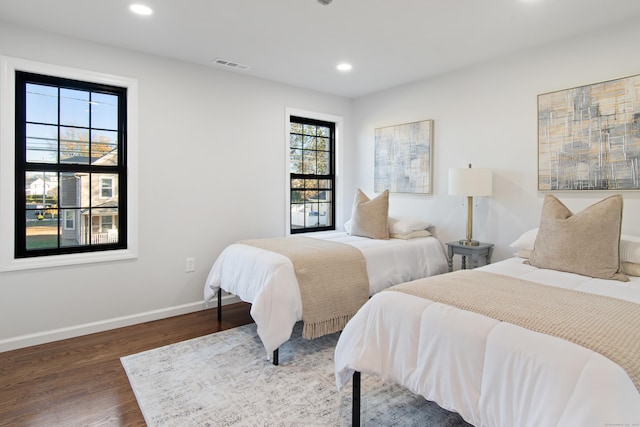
column 586, row 243
column 369, row 217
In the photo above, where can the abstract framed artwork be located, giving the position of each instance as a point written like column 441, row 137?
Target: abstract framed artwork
column 589, row 137
column 404, row 158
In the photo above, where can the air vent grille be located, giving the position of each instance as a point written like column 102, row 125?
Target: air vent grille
column 230, row 64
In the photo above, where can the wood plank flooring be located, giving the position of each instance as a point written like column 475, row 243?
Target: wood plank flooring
column 81, row 382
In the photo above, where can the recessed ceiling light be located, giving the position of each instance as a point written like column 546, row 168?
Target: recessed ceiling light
column 140, row 9
column 344, row 67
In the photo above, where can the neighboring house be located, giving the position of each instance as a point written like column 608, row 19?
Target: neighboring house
column 39, row 187
column 99, row 223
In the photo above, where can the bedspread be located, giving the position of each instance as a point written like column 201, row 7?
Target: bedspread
column 267, row 279
column 332, row 278
column 493, row 373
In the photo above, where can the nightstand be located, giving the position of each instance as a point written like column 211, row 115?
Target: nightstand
column 475, row 252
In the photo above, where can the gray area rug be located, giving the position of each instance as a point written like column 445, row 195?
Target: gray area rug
column 224, row 379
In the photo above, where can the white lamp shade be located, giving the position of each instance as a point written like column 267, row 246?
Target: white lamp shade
column 470, row 182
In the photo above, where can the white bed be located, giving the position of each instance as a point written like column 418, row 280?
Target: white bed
column 502, row 372
column 492, row 373
column 267, row 279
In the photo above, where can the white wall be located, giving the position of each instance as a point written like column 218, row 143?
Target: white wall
column 487, row 115
column 211, row 171
column 212, row 159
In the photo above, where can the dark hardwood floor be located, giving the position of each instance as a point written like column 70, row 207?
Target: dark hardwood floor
column 80, row 381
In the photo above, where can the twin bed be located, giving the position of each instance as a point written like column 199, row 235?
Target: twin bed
column 548, row 337
column 534, row 340
column 267, row 279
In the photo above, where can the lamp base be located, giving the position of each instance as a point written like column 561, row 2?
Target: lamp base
column 469, row 242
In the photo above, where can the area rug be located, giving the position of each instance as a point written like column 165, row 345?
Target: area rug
column 225, row 379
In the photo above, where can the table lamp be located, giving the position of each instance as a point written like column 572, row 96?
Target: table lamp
column 470, row 182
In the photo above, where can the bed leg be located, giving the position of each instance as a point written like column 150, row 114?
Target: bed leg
column 355, row 409
column 219, row 305
column 275, row 357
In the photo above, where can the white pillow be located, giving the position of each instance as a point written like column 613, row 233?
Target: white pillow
column 407, row 225
column 526, row 241
column 630, row 249
column 412, row 235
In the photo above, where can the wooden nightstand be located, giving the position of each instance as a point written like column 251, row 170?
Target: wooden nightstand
column 475, row 252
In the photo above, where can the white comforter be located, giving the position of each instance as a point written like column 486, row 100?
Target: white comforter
column 267, row 279
column 492, row 373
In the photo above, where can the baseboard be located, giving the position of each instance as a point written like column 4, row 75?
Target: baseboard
column 105, row 325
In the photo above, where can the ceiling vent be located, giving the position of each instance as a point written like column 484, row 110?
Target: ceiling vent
column 230, row 64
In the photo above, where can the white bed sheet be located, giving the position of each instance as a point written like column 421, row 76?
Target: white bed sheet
column 267, row 279
column 492, row 373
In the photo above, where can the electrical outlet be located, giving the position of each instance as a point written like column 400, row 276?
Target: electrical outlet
column 190, row 265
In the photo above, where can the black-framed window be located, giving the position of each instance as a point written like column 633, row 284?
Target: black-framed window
column 70, row 166
column 312, row 174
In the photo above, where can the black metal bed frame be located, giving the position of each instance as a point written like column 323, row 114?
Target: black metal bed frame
column 275, row 352
column 355, row 404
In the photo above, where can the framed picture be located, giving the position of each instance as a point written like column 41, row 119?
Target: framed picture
column 404, row 158
column 589, row 137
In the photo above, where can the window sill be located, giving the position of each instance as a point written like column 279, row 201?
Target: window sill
column 66, row 260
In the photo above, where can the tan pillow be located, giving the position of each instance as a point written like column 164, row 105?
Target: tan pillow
column 369, row 217
column 587, row 243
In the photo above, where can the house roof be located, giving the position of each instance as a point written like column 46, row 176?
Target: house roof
column 299, row 42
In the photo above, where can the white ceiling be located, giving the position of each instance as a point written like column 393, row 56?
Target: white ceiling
column 300, row 42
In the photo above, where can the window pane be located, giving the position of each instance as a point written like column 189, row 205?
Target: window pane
column 42, row 143
column 324, row 219
column 297, row 183
column 297, row 213
column 324, row 166
column 309, row 143
column 309, row 130
column 74, row 146
column 324, row 131
column 311, row 183
column 41, row 233
column 41, row 189
column 104, row 227
column 295, row 141
column 104, row 148
column 42, row 103
column 309, row 162
column 312, row 217
column 296, row 128
column 295, row 164
column 74, row 107
column 323, row 144
column 69, row 191
column 325, row 184
column 104, row 111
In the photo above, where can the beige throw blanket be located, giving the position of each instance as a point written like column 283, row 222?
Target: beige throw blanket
column 603, row 324
column 332, row 277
